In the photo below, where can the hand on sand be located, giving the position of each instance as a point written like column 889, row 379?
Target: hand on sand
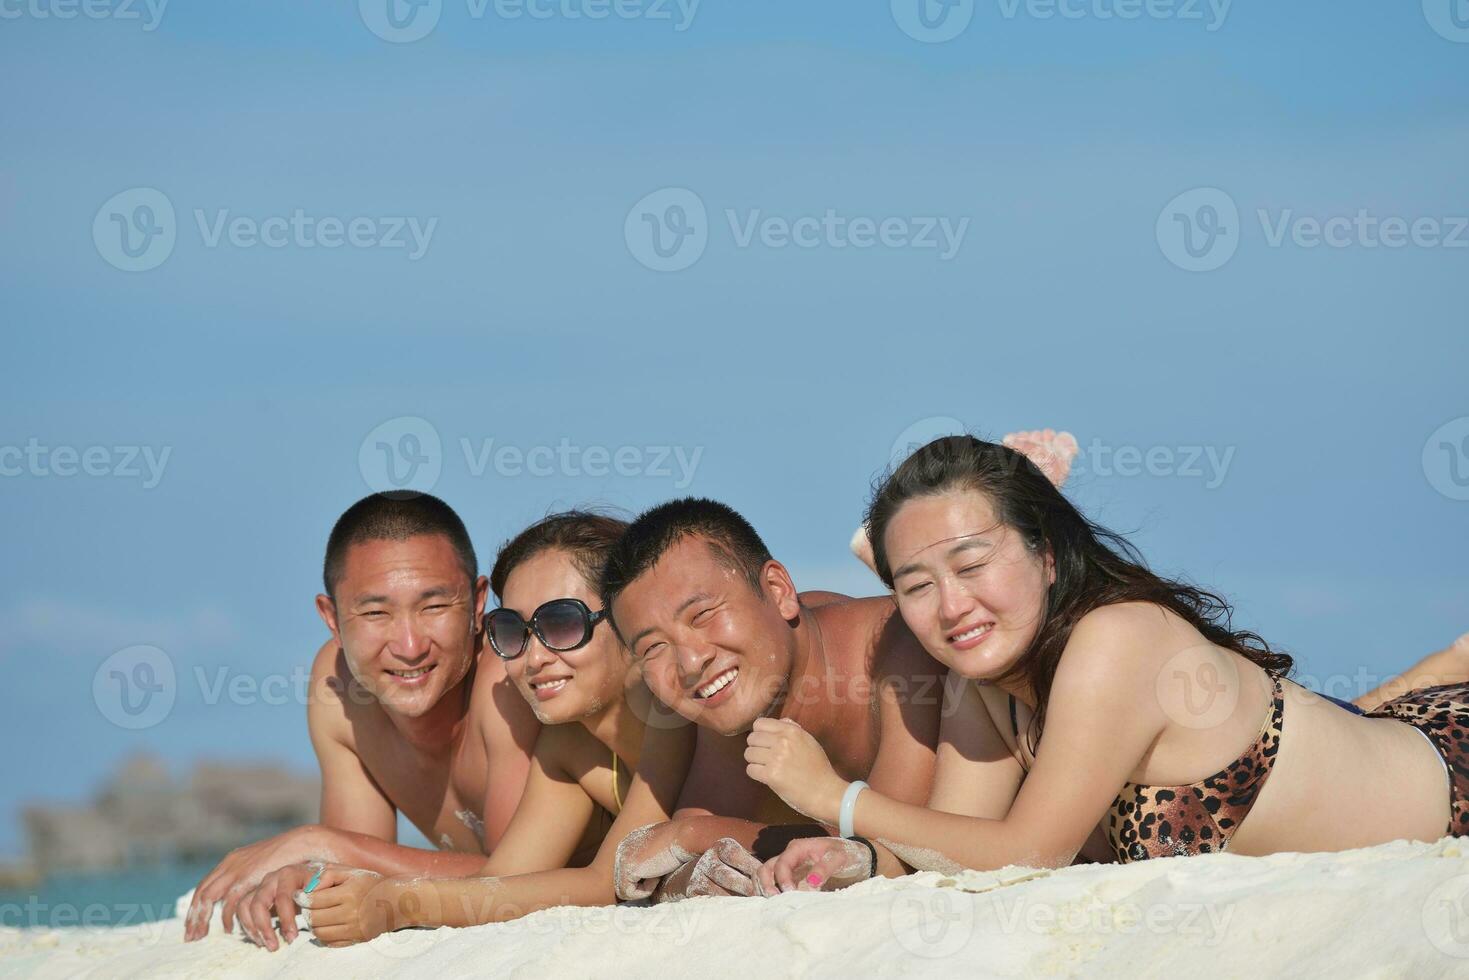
column 784, row 756
column 645, row 856
column 815, row 864
column 726, row 869
column 244, row 867
column 274, row 899
column 350, row 906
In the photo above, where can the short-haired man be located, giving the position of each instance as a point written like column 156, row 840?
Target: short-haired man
column 404, row 714
column 723, row 638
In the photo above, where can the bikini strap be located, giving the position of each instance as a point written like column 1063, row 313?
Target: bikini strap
column 616, row 790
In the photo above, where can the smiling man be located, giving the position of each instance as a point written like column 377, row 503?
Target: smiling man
column 723, row 638
column 404, row 713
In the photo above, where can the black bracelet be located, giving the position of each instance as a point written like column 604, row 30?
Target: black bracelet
column 872, row 873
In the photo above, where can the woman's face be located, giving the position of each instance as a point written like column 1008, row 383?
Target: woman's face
column 576, row 684
column 967, row 586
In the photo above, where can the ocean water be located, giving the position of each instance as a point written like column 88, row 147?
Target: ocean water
column 97, row 900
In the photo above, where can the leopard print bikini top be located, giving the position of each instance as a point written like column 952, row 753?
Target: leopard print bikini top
column 1199, row 818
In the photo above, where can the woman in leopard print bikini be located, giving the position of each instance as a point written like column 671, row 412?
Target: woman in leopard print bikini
column 1166, row 731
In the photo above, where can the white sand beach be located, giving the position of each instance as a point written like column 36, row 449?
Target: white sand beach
column 1398, row 910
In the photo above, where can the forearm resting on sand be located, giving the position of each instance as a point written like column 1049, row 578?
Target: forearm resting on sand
column 354, row 907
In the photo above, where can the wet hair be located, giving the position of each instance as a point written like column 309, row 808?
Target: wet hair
column 1094, row 567
column 586, row 536
column 731, row 539
column 394, row 516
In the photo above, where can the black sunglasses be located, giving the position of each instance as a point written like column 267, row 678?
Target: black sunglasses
column 560, row 625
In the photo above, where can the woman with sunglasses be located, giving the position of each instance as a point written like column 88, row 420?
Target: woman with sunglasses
column 1099, row 709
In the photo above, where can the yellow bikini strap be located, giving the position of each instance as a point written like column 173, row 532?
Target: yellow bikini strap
column 616, row 791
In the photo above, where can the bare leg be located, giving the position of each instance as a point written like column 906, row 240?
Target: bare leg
column 1447, row 666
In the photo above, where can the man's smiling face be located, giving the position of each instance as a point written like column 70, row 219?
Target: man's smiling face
column 711, row 646
column 406, row 616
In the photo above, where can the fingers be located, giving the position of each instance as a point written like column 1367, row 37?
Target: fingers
column 256, row 919
column 765, row 880
column 196, row 923
column 285, row 911
column 786, row 867
column 327, row 892
column 727, row 869
column 733, row 853
column 201, row 909
column 232, row 899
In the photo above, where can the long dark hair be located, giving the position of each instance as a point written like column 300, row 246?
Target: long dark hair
column 1095, row 567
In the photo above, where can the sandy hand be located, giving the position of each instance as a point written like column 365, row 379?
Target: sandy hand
column 244, row 868
column 272, row 901
column 815, row 864
column 726, row 869
column 348, row 905
column 644, row 857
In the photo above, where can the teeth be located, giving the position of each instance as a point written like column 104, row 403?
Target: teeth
column 550, row 685
column 971, row 634
column 718, row 684
column 409, row 674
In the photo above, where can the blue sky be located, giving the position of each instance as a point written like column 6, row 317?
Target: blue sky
column 523, row 148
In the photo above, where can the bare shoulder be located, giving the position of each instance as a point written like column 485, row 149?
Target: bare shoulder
column 817, row 597
column 570, row 751
column 335, row 695
column 497, row 709
column 1114, row 647
column 872, row 628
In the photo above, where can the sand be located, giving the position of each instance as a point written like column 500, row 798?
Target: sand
column 1398, row 910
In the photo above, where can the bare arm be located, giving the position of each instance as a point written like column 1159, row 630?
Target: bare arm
column 552, row 816
column 351, row 911
column 1104, row 716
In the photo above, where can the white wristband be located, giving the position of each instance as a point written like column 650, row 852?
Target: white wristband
column 849, row 805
